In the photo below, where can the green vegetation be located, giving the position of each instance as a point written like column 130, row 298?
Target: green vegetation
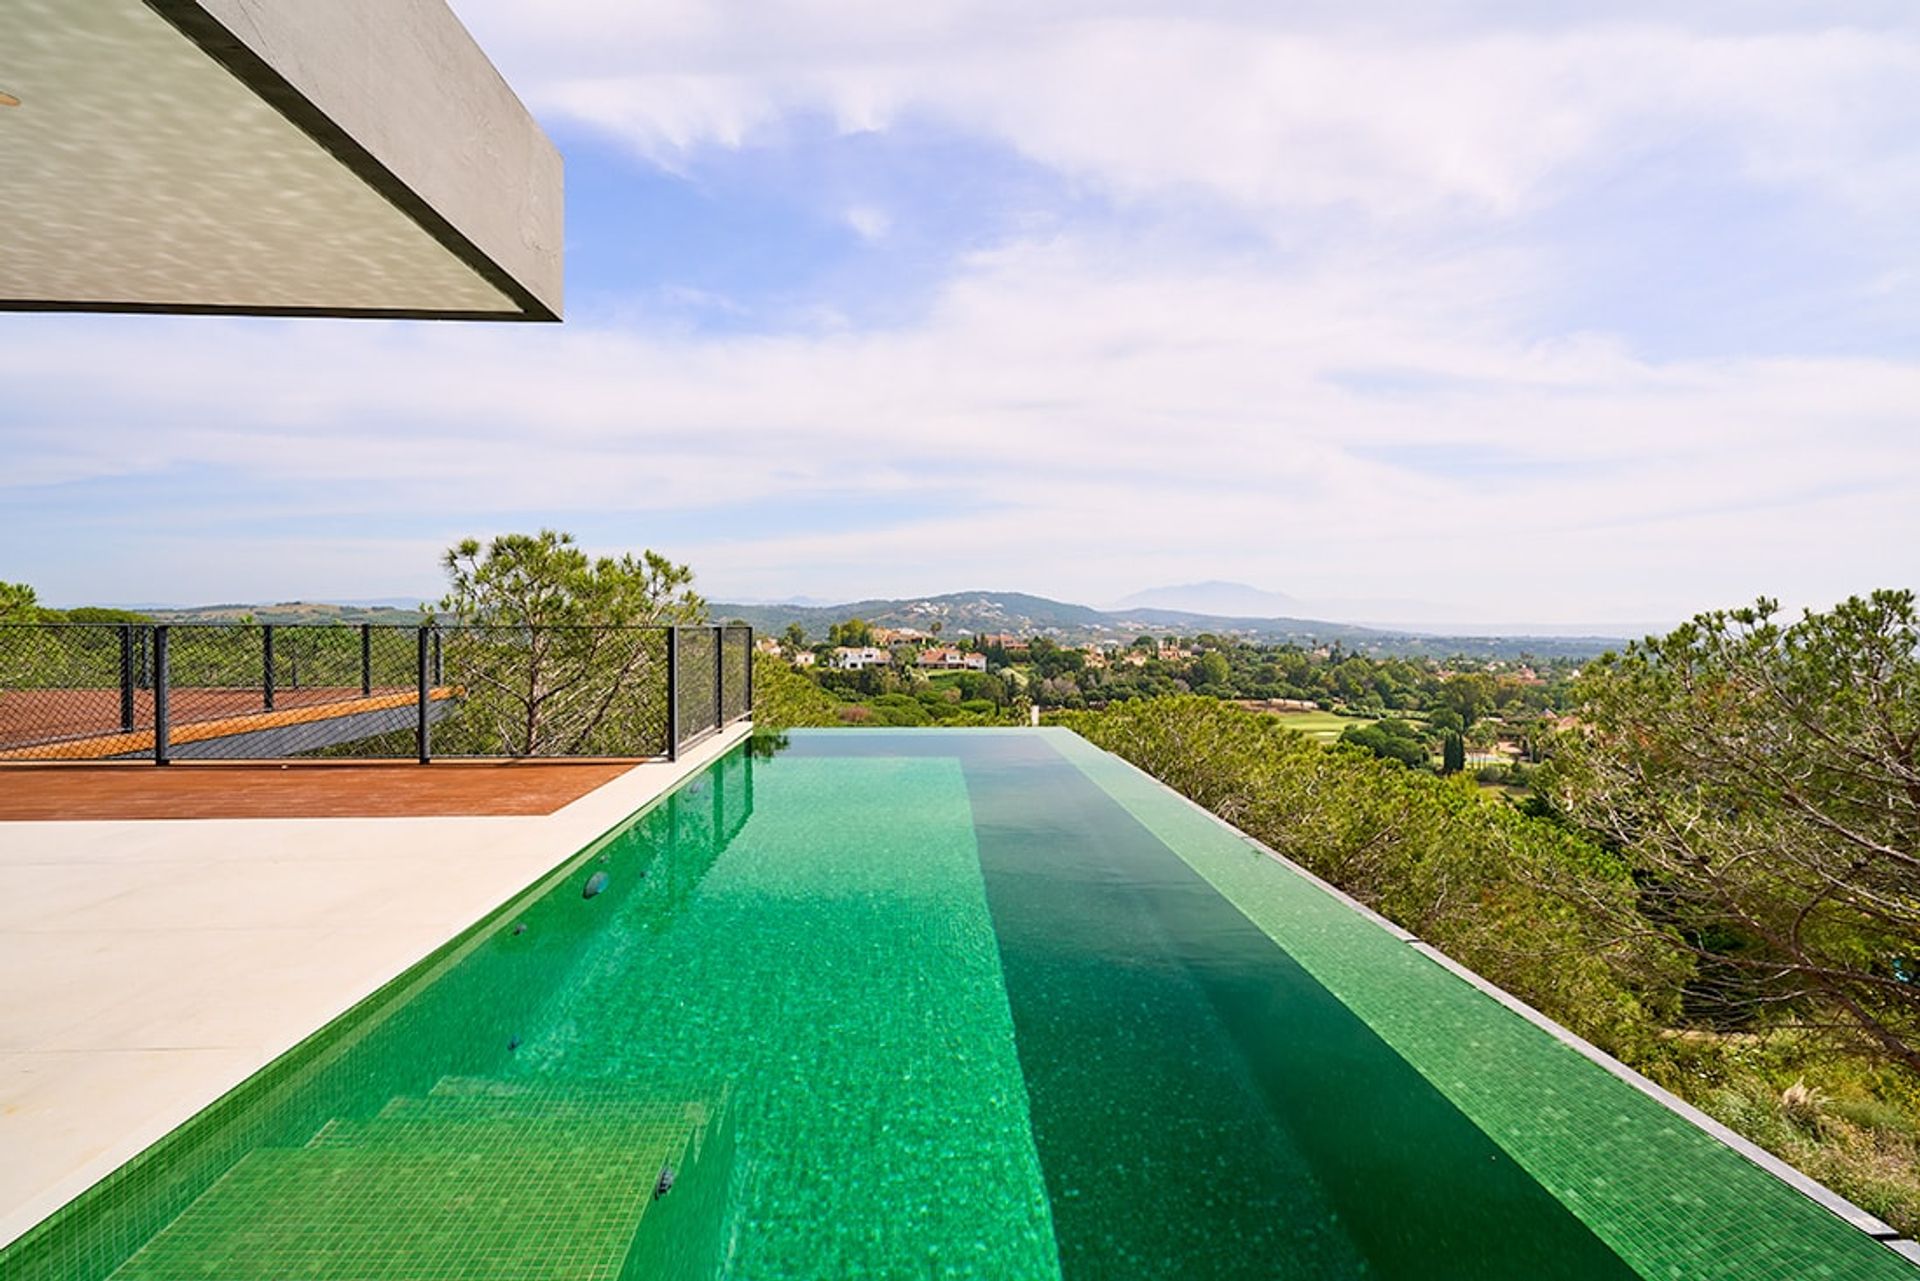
column 854, row 631
column 785, row 699
column 1323, row 727
column 1391, row 740
column 544, row 646
column 1500, row 708
column 545, row 580
column 1763, row 783
column 19, row 603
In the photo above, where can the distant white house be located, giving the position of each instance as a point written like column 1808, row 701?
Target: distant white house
column 949, row 659
column 803, row 658
column 852, row 659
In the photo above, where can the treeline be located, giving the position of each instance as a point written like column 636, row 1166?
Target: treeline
column 881, row 696
column 19, row 603
column 1223, row 667
column 1481, row 700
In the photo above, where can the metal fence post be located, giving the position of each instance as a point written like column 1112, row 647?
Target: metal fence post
column 126, row 676
column 719, row 678
column 423, row 731
column 673, row 693
column 750, row 660
column 162, row 680
column 366, row 660
column 439, row 660
column 266, row 666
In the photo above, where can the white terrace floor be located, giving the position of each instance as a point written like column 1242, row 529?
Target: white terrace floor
column 149, row 966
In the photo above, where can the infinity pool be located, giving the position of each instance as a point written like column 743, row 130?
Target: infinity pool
column 936, row 1004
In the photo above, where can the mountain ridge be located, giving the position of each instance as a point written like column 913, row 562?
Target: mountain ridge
column 985, row 611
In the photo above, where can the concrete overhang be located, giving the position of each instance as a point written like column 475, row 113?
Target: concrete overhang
column 269, row 157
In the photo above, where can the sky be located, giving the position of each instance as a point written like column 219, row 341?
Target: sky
column 1521, row 311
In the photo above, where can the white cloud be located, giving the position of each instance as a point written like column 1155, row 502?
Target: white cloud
column 1052, row 424
column 1383, row 114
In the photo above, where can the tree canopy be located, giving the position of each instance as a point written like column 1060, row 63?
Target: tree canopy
column 545, row 580
column 1762, row 780
column 853, row 633
column 18, row 603
column 1390, row 740
column 549, row 643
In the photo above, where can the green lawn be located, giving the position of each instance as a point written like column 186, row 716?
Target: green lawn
column 1324, row 726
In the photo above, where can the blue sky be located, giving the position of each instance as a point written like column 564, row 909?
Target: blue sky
column 1539, row 312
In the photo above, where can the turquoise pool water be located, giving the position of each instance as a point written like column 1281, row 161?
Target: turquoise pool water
column 936, row 1004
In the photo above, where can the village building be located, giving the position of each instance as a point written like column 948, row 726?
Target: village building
column 851, row 658
column 947, row 658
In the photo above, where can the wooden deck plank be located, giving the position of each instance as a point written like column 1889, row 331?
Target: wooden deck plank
column 299, row 789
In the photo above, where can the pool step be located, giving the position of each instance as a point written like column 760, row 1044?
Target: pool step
column 520, row 1184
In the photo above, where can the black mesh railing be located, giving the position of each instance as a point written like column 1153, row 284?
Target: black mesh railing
column 251, row 691
column 62, row 684
column 736, row 671
column 560, row 691
column 698, row 685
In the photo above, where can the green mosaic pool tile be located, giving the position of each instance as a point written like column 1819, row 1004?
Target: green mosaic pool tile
column 1671, row 1200
column 583, row 1105
column 507, row 1094
column 374, row 1214
column 438, row 1133
column 1202, row 1106
column 837, row 965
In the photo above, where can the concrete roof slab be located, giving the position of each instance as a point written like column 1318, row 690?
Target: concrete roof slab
column 353, row 158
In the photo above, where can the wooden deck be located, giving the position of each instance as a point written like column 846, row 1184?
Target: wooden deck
column 298, row 789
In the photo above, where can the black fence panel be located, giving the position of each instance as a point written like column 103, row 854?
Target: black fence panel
column 256, row 691
column 698, row 677
column 248, row 691
column 66, row 685
column 552, row 692
column 736, row 670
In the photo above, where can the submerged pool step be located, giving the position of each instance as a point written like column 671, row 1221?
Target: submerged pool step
column 485, row 1184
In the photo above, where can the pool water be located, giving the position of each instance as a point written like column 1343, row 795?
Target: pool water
column 936, row 1004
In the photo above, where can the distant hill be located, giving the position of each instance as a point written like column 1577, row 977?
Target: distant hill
column 970, row 613
column 963, row 614
column 1217, row 599
column 296, row 611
